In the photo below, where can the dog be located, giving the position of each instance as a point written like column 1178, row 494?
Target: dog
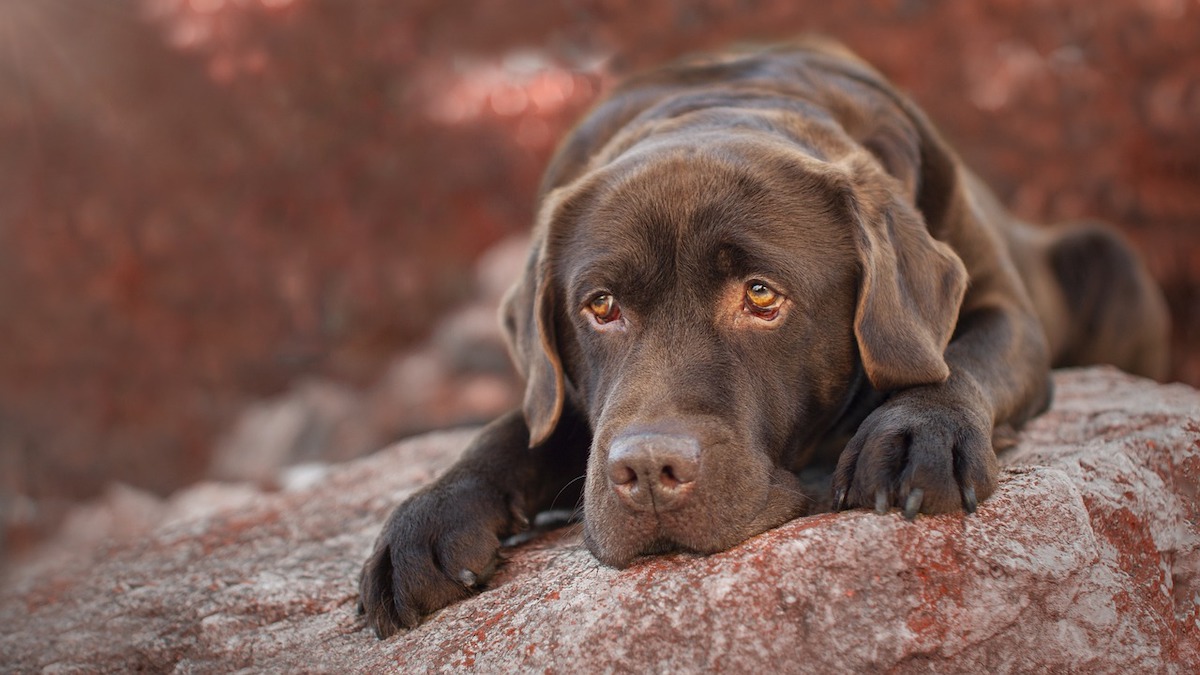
column 745, row 264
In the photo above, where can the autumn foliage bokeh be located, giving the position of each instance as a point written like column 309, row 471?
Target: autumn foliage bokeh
column 201, row 201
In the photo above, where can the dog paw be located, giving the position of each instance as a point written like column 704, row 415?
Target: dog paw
column 919, row 454
column 437, row 548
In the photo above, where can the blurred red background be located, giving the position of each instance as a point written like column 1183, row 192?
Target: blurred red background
column 203, row 201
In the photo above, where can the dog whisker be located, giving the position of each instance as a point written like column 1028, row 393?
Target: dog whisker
column 571, row 482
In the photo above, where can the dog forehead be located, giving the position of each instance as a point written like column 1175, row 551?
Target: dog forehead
column 716, row 210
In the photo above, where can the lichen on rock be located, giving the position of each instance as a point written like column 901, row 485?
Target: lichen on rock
column 1086, row 559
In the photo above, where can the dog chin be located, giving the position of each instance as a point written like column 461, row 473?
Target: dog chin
column 622, row 554
column 619, row 549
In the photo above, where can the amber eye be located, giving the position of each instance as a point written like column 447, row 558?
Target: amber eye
column 762, row 300
column 604, row 307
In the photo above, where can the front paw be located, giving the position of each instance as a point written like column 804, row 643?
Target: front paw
column 921, row 453
column 437, row 548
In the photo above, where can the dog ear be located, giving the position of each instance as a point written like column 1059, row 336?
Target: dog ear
column 904, row 201
column 911, row 288
column 527, row 316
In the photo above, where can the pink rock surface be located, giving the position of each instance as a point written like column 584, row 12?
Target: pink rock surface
column 1086, row 559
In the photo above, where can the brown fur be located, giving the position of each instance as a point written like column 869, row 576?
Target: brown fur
column 918, row 318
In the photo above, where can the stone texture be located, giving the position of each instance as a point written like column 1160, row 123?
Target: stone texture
column 1086, row 559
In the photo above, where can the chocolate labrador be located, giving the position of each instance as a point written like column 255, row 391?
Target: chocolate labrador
column 744, row 264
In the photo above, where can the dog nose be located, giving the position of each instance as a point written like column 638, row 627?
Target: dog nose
column 653, row 470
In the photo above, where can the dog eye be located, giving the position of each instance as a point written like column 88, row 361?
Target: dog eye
column 762, row 300
column 605, row 308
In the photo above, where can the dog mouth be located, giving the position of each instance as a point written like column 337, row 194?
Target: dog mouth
column 618, row 537
column 627, row 553
column 662, row 545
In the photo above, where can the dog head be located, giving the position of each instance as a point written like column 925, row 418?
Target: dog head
column 704, row 291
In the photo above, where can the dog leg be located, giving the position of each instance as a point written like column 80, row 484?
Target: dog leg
column 443, row 542
column 1116, row 312
column 929, row 449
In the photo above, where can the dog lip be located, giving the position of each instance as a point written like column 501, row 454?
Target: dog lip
column 629, row 553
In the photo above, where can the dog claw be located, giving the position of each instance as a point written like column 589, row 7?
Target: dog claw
column 970, row 503
column 468, row 578
column 913, row 504
column 881, row 501
column 839, row 499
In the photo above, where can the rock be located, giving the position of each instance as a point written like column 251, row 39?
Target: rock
column 460, row 375
column 269, row 435
column 1086, row 559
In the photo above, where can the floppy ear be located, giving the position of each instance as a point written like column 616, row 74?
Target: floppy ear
column 527, row 316
column 912, row 284
column 911, row 289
